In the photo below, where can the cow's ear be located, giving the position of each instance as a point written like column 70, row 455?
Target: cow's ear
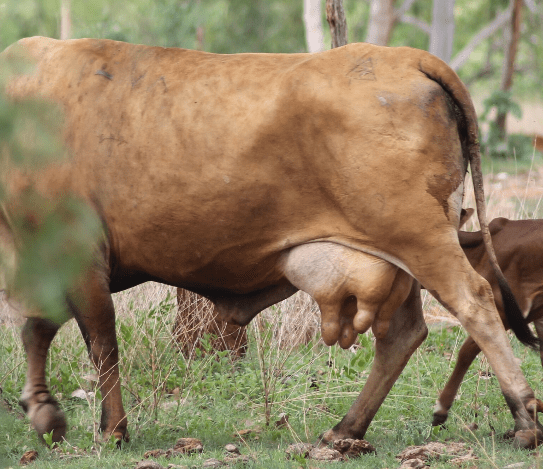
column 465, row 215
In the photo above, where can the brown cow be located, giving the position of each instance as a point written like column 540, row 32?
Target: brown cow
column 245, row 177
column 519, row 249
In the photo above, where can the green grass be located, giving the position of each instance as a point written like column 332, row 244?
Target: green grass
column 214, row 397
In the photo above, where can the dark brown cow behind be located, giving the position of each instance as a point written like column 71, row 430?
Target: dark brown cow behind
column 246, row 177
column 519, row 249
column 197, row 317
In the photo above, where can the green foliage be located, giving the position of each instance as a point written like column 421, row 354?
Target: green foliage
column 361, row 361
column 24, row 18
column 502, row 102
column 54, row 236
column 48, row 438
column 492, row 144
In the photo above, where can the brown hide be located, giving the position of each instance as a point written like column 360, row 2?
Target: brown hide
column 538, row 142
column 245, row 177
column 519, row 249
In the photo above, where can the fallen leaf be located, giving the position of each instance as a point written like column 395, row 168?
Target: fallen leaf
column 28, row 457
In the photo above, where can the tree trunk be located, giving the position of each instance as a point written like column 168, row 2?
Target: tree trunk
column 382, row 20
column 314, row 35
column 498, row 22
column 335, row 15
column 196, row 317
column 513, row 34
column 65, row 20
column 200, row 33
column 442, row 29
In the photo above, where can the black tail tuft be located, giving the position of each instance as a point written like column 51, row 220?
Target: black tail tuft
column 514, row 316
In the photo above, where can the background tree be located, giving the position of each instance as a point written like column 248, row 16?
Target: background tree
column 314, row 34
column 335, row 15
column 381, row 22
column 442, row 29
column 65, row 19
column 512, row 34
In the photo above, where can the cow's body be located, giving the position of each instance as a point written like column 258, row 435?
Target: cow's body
column 227, row 174
column 519, row 249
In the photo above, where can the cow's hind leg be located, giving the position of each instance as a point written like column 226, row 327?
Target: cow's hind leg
column 42, row 409
column 94, row 312
column 538, row 323
column 445, row 271
column 406, row 332
column 467, row 354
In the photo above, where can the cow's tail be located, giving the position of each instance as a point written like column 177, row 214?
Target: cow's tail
column 440, row 72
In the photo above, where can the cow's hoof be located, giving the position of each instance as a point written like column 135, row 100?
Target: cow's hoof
column 527, row 439
column 49, row 418
column 118, row 436
column 121, row 436
column 439, row 419
column 325, row 439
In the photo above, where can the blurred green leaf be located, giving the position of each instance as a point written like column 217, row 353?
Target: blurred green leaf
column 55, row 237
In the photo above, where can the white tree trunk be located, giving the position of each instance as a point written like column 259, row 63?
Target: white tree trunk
column 442, row 29
column 314, row 35
column 65, row 20
column 382, row 19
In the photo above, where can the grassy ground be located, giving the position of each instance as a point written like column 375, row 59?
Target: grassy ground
column 214, row 398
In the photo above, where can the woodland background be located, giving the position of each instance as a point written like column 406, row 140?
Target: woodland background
column 473, row 36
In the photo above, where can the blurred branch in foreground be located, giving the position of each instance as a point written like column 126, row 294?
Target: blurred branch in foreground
column 46, row 239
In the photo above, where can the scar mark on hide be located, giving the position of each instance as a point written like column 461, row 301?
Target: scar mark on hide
column 363, row 71
column 105, row 74
column 120, row 140
column 160, row 79
column 163, row 80
column 135, row 81
column 112, row 138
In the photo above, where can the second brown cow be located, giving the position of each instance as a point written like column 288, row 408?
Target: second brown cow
column 519, row 249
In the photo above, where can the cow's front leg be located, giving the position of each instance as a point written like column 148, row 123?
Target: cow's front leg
column 94, row 312
column 406, row 332
column 42, row 409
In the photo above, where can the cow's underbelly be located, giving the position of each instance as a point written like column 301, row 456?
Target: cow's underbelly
column 354, row 290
